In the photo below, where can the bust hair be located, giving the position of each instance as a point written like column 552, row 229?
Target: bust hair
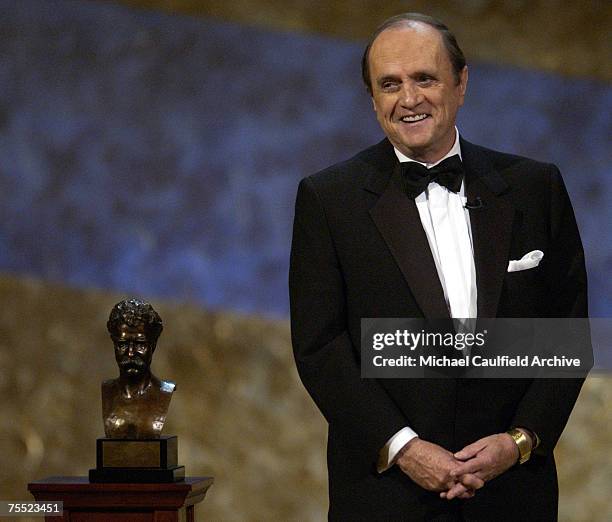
column 135, row 312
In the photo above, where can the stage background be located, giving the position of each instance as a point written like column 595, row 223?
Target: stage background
column 154, row 149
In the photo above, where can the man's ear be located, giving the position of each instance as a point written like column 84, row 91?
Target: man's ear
column 463, row 80
column 373, row 103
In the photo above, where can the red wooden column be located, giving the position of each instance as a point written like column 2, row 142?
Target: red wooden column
column 87, row 502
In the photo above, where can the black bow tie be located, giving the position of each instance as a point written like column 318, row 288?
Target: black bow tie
column 448, row 173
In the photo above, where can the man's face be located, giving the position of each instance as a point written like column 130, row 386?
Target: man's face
column 133, row 351
column 414, row 91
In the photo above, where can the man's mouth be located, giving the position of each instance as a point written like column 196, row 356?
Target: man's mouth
column 131, row 363
column 414, row 118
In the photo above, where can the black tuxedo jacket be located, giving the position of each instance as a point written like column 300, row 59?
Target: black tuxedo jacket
column 359, row 250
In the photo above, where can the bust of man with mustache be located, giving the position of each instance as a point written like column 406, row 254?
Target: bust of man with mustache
column 135, row 405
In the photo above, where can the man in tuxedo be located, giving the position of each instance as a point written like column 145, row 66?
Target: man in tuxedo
column 424, row 224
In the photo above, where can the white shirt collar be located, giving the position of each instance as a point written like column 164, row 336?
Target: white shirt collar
column 455, row 149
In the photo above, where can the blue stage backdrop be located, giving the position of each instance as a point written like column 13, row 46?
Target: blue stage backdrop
column 159, row 155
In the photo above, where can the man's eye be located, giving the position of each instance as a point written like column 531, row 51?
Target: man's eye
column 386, row 86
column 424, row 80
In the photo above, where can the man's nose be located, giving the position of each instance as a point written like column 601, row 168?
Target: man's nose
column 131, row 350
column 410, row 94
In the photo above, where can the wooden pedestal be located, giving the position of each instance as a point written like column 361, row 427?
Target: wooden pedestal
column 88, row 502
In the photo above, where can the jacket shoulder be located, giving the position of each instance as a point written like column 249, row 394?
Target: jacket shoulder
column 502, row 170
column 504, row 161
column 355, row 171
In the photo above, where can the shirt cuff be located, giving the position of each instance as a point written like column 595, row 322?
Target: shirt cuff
column 386, row 456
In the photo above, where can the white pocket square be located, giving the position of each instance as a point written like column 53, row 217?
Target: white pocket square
column 529, row 260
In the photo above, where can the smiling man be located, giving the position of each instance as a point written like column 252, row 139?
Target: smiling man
column 424, row 224
column 415, row 90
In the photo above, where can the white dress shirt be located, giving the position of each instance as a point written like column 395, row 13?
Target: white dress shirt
column 446, row 222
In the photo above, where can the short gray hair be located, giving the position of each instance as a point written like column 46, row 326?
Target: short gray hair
column 455, row 54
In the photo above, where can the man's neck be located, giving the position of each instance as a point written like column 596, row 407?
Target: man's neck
column 455, row 149
column 131, row 388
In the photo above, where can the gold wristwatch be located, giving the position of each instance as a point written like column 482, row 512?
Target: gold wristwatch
column 523, row 444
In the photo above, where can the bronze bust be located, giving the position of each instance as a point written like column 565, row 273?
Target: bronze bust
column 134, row 406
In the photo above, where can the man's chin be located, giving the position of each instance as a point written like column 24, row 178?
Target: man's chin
column 413, row 149
column 420, row 149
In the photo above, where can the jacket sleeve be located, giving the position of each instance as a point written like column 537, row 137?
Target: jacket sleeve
column 547, row 404
column 359, row 410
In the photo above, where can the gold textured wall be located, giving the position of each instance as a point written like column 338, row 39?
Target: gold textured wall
column 240, row 411
column 571, row 38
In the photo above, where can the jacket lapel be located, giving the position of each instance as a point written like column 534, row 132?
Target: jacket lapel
column 397, row 218
column 398, row 221
column 491, row 227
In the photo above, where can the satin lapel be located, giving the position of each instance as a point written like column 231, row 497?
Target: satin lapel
column 397, row 219
column 491, row 227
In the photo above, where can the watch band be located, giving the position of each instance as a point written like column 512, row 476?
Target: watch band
column 536, row 440
column 523, row 444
